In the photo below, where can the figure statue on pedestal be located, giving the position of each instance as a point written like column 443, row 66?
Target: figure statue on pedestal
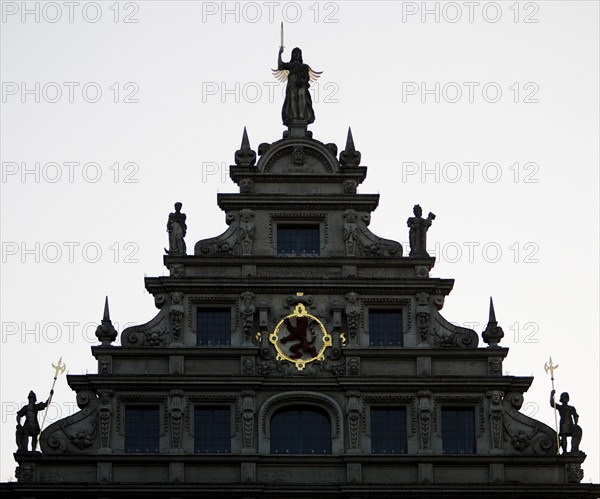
column 418, row 232
column 568, row 423
column 31, row 427
column 297, row 106
column 177, row 229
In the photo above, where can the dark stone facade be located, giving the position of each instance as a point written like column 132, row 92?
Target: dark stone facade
column 300, row 333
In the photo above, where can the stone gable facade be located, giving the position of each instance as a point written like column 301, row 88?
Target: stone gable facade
column 298, row 355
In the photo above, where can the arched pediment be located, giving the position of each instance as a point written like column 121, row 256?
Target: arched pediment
column 300, row 155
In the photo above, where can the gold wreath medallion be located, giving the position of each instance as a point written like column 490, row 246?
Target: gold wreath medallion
column 300, row 338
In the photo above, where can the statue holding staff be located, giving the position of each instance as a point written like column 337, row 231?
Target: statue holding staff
column 31, row 428
column 568, row 423
column 30, row 412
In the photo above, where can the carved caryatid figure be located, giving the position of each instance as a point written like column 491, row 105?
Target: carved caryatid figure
column 246, row 231
column 424, row 410
column 353, row 313
column 423, row 315
column 177, row 229
column 247, row 309
column 350, row 232
column 105, row 418
column 31, row 428
column 568, row 422
column 496, row 415
column 418, row 232
column 176, row 313
column 297, row 106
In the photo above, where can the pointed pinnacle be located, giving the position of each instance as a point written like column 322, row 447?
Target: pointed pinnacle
column 245, row 156
column 493, row 332
column 105, row 331
column 245, row 142
column 350, row 157
column 492, row 312
column 350, row 141
column 106, row 312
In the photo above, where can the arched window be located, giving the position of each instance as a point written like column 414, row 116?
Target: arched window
column 300, row 430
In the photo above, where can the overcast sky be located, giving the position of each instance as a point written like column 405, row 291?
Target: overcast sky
column 486, row 115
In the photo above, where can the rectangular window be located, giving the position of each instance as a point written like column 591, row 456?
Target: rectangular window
column 298, row 240
column 385, row 328
column 300, row 430
column 212, row 430
column 142, row 429
column 214, row 327
column 458, row 430
column 388, row 430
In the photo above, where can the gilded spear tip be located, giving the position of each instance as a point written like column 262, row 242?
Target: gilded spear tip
column 550, row 367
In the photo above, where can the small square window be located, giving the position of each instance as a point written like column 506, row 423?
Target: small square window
column 385, row 327
column 212, row 430
column 142, row 429
column 298, row 240
column 458, row 430
column 214, row 327
column 388, row 430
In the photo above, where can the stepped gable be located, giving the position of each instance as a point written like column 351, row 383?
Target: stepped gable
column 300, row 355
column 296, row 178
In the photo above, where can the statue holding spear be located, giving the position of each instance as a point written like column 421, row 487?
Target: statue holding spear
column 568, row 417
column 31, row 428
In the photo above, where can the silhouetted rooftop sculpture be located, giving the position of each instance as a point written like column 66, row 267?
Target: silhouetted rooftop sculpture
column 418, row 232
column 31, row 428
column 568, row 423
column 297, row 106
column 177, row 229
